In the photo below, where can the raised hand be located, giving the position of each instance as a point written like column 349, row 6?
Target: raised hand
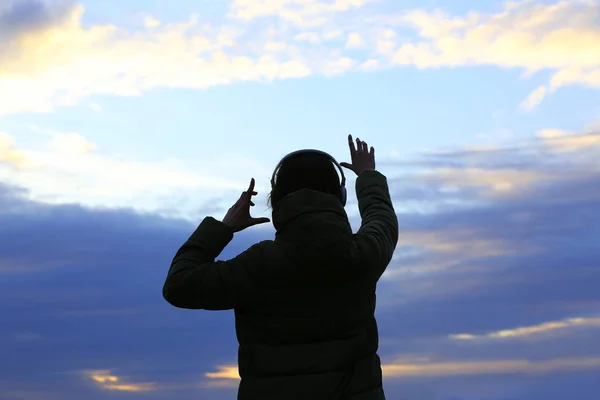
column 362, row 158
column 238, row 217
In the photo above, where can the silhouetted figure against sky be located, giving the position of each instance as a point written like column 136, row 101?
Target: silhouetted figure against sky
column 305, row 302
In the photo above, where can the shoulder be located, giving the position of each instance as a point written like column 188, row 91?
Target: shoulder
column 262, row 251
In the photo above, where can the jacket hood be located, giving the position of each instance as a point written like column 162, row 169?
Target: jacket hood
column 311, row 215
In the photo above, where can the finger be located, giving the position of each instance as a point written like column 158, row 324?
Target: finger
column 372, row 151
column 365, row 147
column 246, row 196
column 358, row 144
column 251, row 203
column 256, row 221
column 351, row 145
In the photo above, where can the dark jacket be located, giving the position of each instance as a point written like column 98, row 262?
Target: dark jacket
column 305, row 302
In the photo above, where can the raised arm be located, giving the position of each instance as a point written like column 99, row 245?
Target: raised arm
column 378, row 234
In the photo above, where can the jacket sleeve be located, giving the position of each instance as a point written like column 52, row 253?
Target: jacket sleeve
column 378, row 234
column 196, row 281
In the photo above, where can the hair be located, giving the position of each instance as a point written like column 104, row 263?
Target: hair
column 305, row 171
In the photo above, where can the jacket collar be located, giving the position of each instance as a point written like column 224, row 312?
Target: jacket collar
column 309, row 211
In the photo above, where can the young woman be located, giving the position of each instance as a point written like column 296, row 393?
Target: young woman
column 304, row 303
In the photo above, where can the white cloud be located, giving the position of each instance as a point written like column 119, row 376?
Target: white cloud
column 354, row 41
column 96, row 107
column 488, row 367
column 71, row 143
column 68, row 168
column 303, row 13
column 339, row 66
column 370, row 65
column 495, row 181
column 333, row 34
column 10, row 155
column 275, row 46
column 560, row 37
column 561, row 141
column 533, row 330
column 534, row 98
column 64, row 62
column 385, row 42
column 62, row 65
column 151, row 22
column 310, row 37
column 575, row 75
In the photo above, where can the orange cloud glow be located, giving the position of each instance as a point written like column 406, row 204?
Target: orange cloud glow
column 107, row 381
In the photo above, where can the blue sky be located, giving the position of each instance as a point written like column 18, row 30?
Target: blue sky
column 123, row 125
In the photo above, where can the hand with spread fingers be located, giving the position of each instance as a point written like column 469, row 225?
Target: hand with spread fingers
column 362, row 158
column 238, row 217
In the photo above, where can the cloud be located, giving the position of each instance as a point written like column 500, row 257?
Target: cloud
column 72, row 143
column 489, row 367
column 67, row 167
column 534, row 99
column 369, row 65
column 59, row 65
column 107, row 381
column 225, row 372
column 23, row 17
column 310, row 37
column 11, row 155
column 334, row 34
column 471, row 260
column 530, row 248
column 385, row 42
column 576, row 75
column 50, row 58
column 354, row 41
column 340, row 66
column 558, row 37
column 527, row 331
column 303, row 13
column 496, row 180
column 475, row 174
column 96, row 107
column 561, row 141
column 86, row 285
column 151, row 22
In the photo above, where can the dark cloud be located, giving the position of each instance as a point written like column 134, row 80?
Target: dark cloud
column 21, row 16
column 545, row 235
column 80, row 289
column 87, row 283
column 547, row 268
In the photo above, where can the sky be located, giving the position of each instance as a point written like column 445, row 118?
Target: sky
column 124, row 124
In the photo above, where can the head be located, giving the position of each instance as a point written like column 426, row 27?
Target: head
column 305, row 171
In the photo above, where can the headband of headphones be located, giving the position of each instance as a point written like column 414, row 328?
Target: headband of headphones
column 305, row 151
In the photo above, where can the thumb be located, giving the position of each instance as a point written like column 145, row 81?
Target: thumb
column 346, row 165
column 256, row 221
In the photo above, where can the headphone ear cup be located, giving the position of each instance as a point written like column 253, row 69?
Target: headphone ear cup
column 344, row 195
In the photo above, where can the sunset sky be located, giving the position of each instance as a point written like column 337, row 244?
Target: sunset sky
column 124, row 123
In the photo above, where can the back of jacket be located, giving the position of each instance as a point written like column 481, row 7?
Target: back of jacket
column 312, row 332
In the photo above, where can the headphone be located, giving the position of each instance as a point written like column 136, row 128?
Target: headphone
column 343, row 193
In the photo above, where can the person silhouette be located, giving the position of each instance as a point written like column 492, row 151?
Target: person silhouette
column 304, row 303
